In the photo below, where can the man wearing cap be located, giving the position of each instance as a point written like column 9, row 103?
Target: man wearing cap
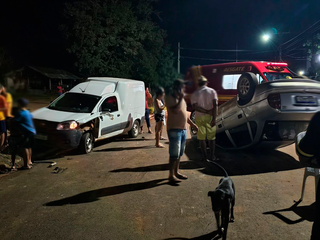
column 205, row 102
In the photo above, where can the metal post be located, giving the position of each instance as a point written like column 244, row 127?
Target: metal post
column 236, row 52
column 178, row 57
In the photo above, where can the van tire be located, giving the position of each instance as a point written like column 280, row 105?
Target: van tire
column 246, row 87
column 86, row 143
column 134, row 132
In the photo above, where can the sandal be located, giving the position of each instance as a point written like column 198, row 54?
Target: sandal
column 181, row 176
column 160, row 146
column 14, row 169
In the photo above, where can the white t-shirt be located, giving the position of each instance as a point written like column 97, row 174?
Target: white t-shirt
column 204, row 97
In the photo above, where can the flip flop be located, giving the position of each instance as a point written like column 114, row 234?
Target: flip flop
column 160, row 146
column 184, row 177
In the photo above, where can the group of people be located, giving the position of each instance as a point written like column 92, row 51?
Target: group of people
column 18, row 122
column 205, row 103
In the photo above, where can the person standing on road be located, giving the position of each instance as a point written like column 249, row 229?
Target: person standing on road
column 309, row 148
column 205, row 102
column 177, row 129
column 147, row 112
column 8, row 115
column 159, row 115
column 24, row 119
column 3, row 110
column 60, row 89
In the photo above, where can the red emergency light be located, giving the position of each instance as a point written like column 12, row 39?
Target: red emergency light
column 274, row 66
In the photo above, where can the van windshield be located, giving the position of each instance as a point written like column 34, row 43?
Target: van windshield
column 276, row 76
column 75, row 102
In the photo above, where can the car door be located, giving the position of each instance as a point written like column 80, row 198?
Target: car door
column 110, row 117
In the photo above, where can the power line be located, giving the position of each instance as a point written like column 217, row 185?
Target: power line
column 301, row 33
column 216, row 50
column 302, row 38
column 219, row 59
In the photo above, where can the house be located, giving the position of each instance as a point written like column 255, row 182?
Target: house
column 39, row 79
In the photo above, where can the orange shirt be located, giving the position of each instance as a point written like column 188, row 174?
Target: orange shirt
column 3, row 104
column 9, row 105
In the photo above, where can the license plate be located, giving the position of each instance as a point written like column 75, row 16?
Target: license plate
column 306, row 100
column 41, row 137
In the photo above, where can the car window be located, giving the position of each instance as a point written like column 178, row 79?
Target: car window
column 75, row 102
column 260, row 79
column 230, row 81
column 276, row 76
column 109, row 105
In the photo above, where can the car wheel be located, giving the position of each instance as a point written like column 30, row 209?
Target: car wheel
column 246, row 87
column 134, row 132
column 86, row 143
column 192, row 132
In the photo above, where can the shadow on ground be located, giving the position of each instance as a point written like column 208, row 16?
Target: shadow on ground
column 304, row 212
column 210, row 236
column 245, row 162
column 95, row 195
column 43, row 152
column 123, row 149
column 235, row 162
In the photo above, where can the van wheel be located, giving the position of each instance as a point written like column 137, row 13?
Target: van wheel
column 134, row 132
column 192, row 132
column 246, row 87
column 86, row 143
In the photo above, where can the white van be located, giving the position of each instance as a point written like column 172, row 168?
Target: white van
column 96, row 109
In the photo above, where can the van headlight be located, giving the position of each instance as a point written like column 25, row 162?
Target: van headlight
column 71, row 125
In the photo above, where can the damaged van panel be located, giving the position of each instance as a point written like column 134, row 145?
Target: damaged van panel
column 96, row 109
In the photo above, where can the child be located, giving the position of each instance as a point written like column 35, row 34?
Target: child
column 15, row 139
column 159, row 115
column 25, row 122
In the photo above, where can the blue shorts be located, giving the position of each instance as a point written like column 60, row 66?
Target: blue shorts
column 177, row 142
column 3, row 128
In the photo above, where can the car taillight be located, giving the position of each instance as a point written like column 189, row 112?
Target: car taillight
column 275, row 100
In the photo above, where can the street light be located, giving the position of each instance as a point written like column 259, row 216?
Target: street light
column 301, row 73
column 266, row 37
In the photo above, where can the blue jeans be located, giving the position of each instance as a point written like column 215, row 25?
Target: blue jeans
column 177, row 142
column 147, row 113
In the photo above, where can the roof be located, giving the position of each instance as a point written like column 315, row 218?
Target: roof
column 97, row 88
column 110, row 79
column 54, row 73
column 47, row 72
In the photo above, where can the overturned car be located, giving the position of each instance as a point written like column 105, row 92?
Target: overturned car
column 267, row 110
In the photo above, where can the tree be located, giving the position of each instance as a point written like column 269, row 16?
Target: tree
column 118, row 38
column 5, row 61
column 313, row 49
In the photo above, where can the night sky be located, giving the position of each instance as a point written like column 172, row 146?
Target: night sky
column 30, row 29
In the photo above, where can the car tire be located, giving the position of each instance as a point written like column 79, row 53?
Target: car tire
column 134, row 132
column 86, row 143
column 246, row 87
column 192, row 132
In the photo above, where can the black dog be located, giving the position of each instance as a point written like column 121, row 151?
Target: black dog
column 223, row 200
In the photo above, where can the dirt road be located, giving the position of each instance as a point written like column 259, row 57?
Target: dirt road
column 120, row 191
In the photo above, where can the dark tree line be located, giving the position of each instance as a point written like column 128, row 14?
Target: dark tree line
column 119, row 38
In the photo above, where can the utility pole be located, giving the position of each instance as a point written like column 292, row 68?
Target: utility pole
column 280, row 46
column 179, row 57
column 236, row 52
